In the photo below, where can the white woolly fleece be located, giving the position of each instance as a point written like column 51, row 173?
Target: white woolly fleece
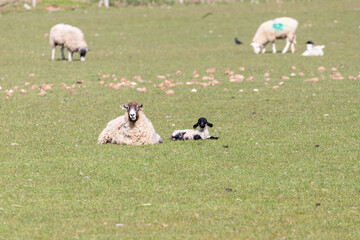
column 69, row 36
column 266, row 32
column 123, row 131
column 190, row 133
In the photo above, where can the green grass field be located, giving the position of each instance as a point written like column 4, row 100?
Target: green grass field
column 292, row 155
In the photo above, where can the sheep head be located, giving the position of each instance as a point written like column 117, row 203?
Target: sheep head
column 256, row 46
column 132, row 110
column 202, row 122
column 82, row 52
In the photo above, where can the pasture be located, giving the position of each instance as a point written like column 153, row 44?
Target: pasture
column 287, row 161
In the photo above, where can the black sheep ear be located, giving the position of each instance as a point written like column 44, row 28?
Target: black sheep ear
column 123, row 106
column 196, row 125
column 209, row 124
column 140, row 106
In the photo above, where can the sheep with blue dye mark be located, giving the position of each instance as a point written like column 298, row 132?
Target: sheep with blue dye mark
column 133, row 128
column 278, row 28
column 189, row 134
column 70, row 37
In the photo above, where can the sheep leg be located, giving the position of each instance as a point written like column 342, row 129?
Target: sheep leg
column 53, row 54
column 273, row 47
column 216, row 138
column 62, row 53
column 263, row 50
column 70, row 54
column 293, row 47
column 197, row 137
column 293, row 42
column 286, row 46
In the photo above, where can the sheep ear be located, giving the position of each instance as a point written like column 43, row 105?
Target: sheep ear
column 196, row 125
column 209, row 124
column 140, row 106
column 123, row 106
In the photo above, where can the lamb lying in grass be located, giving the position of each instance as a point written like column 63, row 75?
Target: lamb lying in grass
column 133, row 128
column 188, row 134
column 312, row 50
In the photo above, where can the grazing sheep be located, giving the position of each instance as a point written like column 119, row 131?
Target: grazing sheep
column 70, row 37
column 133, row 128
column 312, row 50
column 189, row 134
column 278, row 28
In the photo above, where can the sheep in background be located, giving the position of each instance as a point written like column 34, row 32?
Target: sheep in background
column 271, row 30
column 70, row 37
column 189, row 134
column 133, row 128
column 312, row 50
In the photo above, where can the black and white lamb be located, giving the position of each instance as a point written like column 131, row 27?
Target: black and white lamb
column 312, row 50
column 189, row 134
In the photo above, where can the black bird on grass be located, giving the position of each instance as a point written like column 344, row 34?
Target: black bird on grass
column 237, row 41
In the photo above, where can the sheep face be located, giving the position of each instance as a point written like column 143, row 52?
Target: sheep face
column 202, row 122
column 82, row 52
column 256, row 47
column 133, row 110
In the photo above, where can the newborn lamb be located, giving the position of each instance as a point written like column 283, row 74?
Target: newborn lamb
column 188, row 134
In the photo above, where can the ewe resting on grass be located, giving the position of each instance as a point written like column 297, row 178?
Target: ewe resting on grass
column 133, row 128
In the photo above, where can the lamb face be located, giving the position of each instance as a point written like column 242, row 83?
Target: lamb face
column 202, row 123
column 133, row 110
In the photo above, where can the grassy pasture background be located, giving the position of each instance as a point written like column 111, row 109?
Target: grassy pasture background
column 56, row 183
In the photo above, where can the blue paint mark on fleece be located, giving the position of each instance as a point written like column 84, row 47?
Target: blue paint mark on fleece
column 278, row 27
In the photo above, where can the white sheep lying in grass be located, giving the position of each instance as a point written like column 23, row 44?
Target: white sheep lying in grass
column 189, row 134
column 70, row 37
column 133, row 128
column 312, row 50
column 271, row 30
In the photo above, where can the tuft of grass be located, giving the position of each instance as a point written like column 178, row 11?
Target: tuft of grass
column 292, row 155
